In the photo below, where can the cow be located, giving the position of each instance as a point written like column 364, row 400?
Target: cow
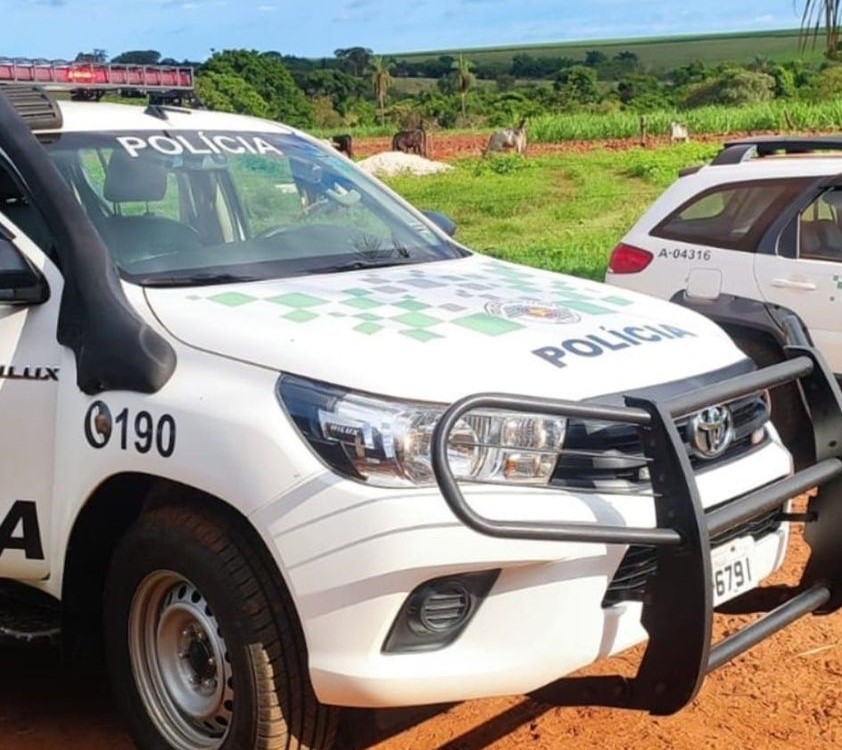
column 343, row 144
column 411, row 141
column 678, row 132
column 510, row 139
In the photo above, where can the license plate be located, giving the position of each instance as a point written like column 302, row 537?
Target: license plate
column 732, row 573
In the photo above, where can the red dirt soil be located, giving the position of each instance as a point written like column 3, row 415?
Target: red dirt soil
column 781, row 695
column 447, row 147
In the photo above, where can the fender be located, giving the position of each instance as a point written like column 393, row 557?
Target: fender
column 779, row 323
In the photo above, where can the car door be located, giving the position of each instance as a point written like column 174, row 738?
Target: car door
column 30, row 291
column 804, row 273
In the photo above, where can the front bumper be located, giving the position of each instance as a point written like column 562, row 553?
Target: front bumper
column 678, row 610
column 351, row 554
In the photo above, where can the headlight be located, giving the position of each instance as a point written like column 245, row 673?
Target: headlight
column 387, row 442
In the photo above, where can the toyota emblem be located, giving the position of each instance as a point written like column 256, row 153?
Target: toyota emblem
column 711, row 431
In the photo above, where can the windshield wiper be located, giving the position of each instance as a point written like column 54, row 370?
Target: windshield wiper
column 359, row 263
column 196, row 279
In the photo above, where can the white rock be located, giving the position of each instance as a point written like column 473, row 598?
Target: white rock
column 397, row 162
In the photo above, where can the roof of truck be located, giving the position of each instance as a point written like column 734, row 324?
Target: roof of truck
column 104, row 116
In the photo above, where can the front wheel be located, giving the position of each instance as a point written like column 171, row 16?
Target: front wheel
column 202, row 643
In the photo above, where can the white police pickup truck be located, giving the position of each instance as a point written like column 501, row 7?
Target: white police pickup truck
column 283, row 445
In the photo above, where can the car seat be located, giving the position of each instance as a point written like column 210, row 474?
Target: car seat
column 134, row 238
column 821, row 240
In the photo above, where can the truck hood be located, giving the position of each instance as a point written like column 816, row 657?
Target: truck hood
column 441, row 330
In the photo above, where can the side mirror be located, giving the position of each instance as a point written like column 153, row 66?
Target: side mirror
column 445, row 223
column 20, row 283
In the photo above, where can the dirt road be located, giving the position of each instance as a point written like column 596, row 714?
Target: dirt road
column 448, row 146
column 785, row 694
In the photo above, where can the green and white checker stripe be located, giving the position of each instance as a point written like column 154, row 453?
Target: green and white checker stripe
column 424, row 302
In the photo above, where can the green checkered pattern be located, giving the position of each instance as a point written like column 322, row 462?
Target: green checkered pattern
column 388, row 300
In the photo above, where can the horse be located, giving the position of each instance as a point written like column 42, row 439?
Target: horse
column 411, row 141
column 510, row 139
column 343, row 144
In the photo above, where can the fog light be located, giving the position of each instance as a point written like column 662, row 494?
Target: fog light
column 441, row 608
column 437, row 612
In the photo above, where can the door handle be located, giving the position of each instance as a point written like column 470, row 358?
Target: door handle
column 806, row 286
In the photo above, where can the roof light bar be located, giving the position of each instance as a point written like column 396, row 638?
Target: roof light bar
column 100, row 76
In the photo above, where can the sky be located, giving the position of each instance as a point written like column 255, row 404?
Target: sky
column 190, row 29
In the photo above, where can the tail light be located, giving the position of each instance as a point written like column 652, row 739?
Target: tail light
column 629, row 259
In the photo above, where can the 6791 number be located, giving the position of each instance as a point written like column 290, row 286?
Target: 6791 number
column 732, row 578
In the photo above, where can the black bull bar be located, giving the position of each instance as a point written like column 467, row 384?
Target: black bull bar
column 678, row 609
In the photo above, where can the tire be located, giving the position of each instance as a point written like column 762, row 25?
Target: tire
column 788, row 413
column 202, row 642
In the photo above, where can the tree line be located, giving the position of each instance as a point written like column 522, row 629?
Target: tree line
column 357, row 88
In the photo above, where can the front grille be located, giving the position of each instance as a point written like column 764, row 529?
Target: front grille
column 608, row 457
column 640, row 563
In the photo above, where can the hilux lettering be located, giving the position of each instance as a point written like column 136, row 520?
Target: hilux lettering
column 609, row 340
column 11, row 372
column 20, row 530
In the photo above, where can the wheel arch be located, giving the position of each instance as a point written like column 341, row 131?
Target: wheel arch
column 106, row 515
column 742, row 315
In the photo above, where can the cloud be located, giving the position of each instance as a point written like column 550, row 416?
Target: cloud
column 355, row 11
column 266, row 8
column 50, row 3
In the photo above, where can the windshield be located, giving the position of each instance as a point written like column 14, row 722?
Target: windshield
column 192, row 207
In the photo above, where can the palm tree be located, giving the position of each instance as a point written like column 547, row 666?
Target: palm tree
column 760, row 64
column 822, row 16
column 381, row 80
column 464, row 79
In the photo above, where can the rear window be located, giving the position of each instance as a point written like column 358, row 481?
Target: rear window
column 733, row 216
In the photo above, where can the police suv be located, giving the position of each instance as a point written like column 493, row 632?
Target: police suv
column 757, row 230
column 282, row 444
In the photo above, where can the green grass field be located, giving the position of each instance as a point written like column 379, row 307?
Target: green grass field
column 564, row 213
column 778, row 116
column 657, row 53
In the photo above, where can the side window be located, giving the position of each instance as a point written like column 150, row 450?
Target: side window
column 820, row 230
column 733, row 216
column 18, row 208
column 709, row 206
